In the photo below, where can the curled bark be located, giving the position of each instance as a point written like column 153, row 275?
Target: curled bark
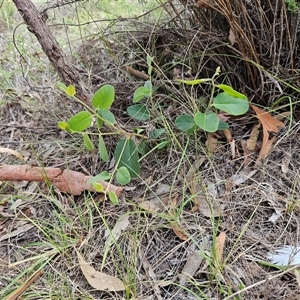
column 67, row 181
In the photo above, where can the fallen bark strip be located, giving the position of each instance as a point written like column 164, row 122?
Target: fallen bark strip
column 67, row 181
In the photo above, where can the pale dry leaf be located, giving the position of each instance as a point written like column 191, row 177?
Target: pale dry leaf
column 275, row 216
column 285, row 163
column 297, row 274
column 163, row 189
column 191, row 266
column 150, row 206
column 13, row 152
column 16, row 232
column 114, row 234
column 252, row 141
column 231, row 37
column 212, row 209
column 98, row 280
column 241, row 177
column 220, row 243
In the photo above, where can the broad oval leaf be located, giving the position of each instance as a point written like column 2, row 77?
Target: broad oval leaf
column 80, row 121
column 126, row 155
column 138, row 112
column 185, row 122
column 113, row 198
column 232, row 105
column 123, row 176
column 62, row 86
column 140, row 93
column 107, row 115
column 208, row 122
column 99, row 177
column 102, row 149
column 87, row 142
column 98, row 187
column 71, row 90
column 104, row 97
column 63, row 126
column 195, row 81
column 230, row 91
column 158, row 132
column 223, row 125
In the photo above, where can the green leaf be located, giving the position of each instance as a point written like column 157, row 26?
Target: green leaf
column 63, row 126
column 138, row 112
column 102, row 149
column 99, row 177
column 126, row 155
column 185, row 122
column 140, row 93
column 98, row 187
column 87, row 142
column 232, row 105
column 80, row 121
column 123, row 176
column 223, row 125
column 230, row 91
column 99, row 122
column 104, row 97
column 143, row 147
column 208, row 122
column 107, row 115
column 158, row 132
column 163, row 144
column 62, row 86
column 195, row 81
column 149, row 63
column 113, row 198
column 71, row 90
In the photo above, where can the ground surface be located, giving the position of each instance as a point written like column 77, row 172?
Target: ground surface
column 163, row 246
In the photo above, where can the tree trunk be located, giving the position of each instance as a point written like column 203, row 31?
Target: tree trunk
column 36, row 24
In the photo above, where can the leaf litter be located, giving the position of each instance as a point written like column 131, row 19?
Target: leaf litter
column 98, row 280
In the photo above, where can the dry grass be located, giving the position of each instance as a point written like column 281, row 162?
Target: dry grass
column 148, row 256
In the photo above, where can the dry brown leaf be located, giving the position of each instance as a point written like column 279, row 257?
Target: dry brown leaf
column 252, row 141
column 268, row 122
column 231, row 37
column 212, row 143
column 220, row 242
column 264, row 151
column 246, row 153
column 98, row 280
column 179, row 233
column 13, row 152
column 18, row 292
